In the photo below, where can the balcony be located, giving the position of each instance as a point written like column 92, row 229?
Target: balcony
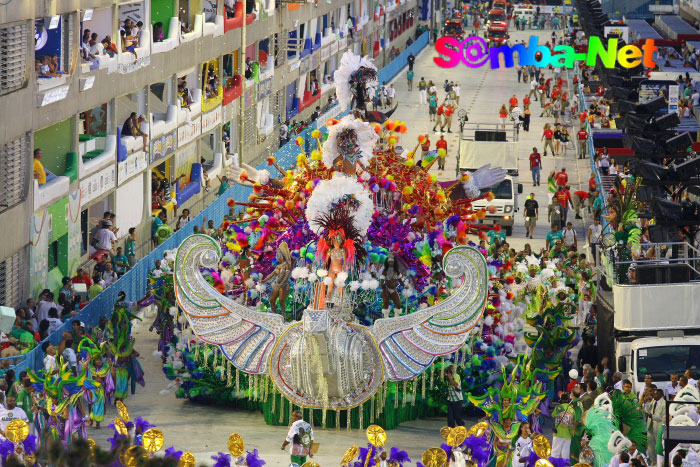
column 192, row 188
column 59, row 186
column 162, row 123
column 195, row 108
column 308, row 100
column 170, row 42
column 214, row 29
column 196, row 32
column 128, row 145
column 128, row 62
column 237, row 20
column 95, row 153
column 233, row 89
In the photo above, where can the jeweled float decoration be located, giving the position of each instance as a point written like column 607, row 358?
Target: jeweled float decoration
column 325, row 361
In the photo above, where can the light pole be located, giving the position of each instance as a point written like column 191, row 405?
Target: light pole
column 432, row 19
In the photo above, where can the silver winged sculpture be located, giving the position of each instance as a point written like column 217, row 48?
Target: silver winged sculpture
column 323, row 361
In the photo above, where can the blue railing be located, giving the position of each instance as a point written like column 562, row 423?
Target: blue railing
column 134, row 282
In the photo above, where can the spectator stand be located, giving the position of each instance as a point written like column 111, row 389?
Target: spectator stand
column 134, row 282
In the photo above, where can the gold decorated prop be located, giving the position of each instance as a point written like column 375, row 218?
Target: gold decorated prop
column 235, row 445
column 445, row 432
column 123, row 412
column 542, row 446
column 92, row 443
column 583, row 464
column 457, row 436
column 310, row 464
column 478, row 430
column 120, row 426
column 376, row 435
column 434, row 457
column 543, row 463
column 153, row 440
column 133, row 456
column 471, row 463
column 350, row 455
column 17, row 431
column 187, row 460
column 29, row 460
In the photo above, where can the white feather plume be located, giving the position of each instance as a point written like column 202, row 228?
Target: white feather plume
column 348, row 64
column 366, row 139
column 330, row 191
column 481, row 178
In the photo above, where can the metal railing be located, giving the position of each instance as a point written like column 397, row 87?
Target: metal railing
column 134, row 282
column 662, row 254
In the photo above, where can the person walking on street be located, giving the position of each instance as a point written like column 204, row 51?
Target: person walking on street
column 423, row 91
column 503, row 115
column 454, row 398
column 425, row 147
column 595, row 236
column 547, row 137
column 570, row 239
column 456, row 90
column 563, row 428
column 564, row 198
column 582, row 137
column 579, row 199
column 411, row 60
column 554, row 213
column 432, row 107
column 447, row 118
column 656, row 416
column 532, row 212
column 439, row 122
column 535, row 166
column 391, row 94
column 301, row 437
column 409, row 76
column 441, row 144
column 533, row 88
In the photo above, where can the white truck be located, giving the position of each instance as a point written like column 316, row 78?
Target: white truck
column 473, row 154
column 654, row 329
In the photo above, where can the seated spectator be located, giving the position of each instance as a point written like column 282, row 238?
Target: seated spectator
column 184, row 95
column 110, row 48
column 82, row 277
column 95, row 47
column 41, row 175
column 120, row 263
column 96, row 287
column 67, row 288
column 54, row 66
column 158, row 32
column 183, row 219
column 128, row 43
column 45, row 68
column 158, row 271
column 132, row 125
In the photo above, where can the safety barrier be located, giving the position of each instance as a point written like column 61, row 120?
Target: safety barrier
column 134, row 282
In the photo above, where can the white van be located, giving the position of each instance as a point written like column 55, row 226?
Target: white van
column 523, row 12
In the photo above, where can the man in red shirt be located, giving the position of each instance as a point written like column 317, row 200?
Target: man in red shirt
column 82, row 277
column 526, row 101
column 582, row 137
column 547, row 136
column 556, row 92
column 564, row 198
column 561, row 177
column 547, row 85
column 425, row 147
column 579, row 200
column 535, row 166
column 513, row 101
column 600, row 91
column 441, row 144
column 592, row 186
column 447, row 118
column 438, row 120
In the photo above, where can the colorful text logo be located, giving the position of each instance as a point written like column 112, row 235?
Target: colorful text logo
column 474, row 52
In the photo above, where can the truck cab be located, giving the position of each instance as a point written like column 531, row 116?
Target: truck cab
column 497, row 36
column 658, row 356
column 506, row 203
column 453, row 28
column 497, row 17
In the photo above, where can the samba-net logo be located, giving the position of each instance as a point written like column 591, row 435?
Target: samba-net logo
column 474, row 53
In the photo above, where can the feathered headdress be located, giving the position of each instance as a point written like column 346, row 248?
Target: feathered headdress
column 354, row 71
column 350, row 138
column 338, row 223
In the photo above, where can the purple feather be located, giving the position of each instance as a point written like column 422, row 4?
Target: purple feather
column 172, row 453
column 114, row 441
column 6, row 448
column 362, row 458
column 222, row 460
column 142, row 424
column 479, row 447
column 556, row 461
column 30, row 444
column 252, row 459
column 448, row 450
column 397, row 455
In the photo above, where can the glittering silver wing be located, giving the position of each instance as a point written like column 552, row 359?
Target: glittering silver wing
column 245, row 336
column 410, row 343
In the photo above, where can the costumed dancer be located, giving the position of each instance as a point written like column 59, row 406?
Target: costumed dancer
column 100, row 370
column 354, row 80
column 281, row 273
column 126, row 366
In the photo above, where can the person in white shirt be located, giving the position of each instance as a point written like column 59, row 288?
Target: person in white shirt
column 690, row 375
column 9, row 413
column 391, row 93
column 54, row 321
column 523, row 447
column 457, row 90
column 673, row 387
column 301, row 438
column 69, row 355
column 158, row 271
column 109, row 276
column 570, row 236
column 50, row 366
column 105, row 238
